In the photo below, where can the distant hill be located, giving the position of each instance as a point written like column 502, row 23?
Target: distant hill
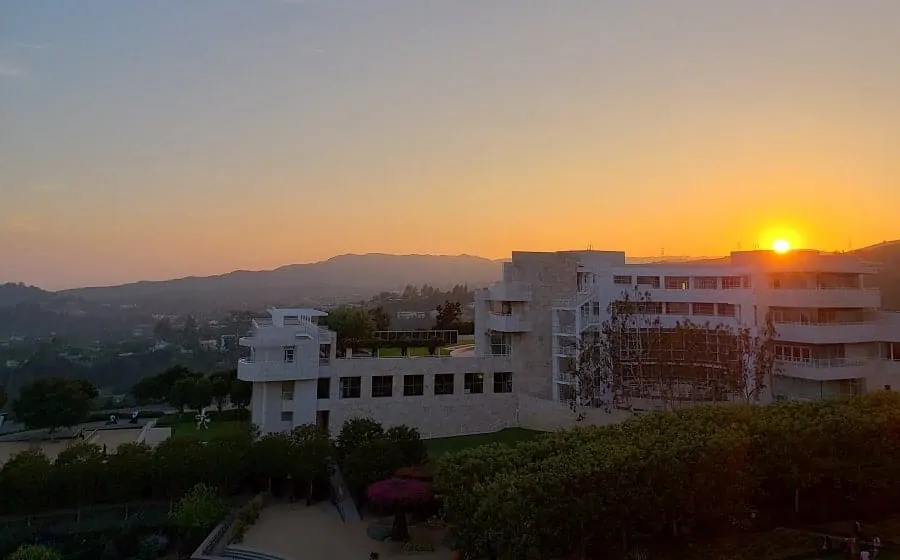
column 17, row 294
column 345, row 277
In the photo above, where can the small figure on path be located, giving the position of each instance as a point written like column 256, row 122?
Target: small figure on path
column 876, row 547
column 864, row 555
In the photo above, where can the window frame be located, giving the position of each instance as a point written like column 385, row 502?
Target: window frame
column 443, row 384
column 385, row 389
column 413, row 385
column 289, row 354
column 289, row 414
column 346, row 387
column 505, row 383
column 471, row 381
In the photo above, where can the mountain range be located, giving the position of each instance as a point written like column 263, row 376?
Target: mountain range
column 339, row 279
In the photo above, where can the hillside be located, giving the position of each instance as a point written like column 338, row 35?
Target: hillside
column 18, row 294
column 345, row 277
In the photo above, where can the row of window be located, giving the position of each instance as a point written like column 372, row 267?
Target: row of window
column 413, row 385
column 686, row 282
column 677, row 308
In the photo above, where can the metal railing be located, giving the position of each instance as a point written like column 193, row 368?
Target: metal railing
column 826, row 362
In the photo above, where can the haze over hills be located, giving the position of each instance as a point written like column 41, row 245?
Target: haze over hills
column 342, row 278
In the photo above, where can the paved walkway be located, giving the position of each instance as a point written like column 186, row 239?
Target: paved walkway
column 300, row 532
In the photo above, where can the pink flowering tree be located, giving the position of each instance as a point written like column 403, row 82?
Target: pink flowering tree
column 399, row 495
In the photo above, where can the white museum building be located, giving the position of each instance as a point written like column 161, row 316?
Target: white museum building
column 832, row 339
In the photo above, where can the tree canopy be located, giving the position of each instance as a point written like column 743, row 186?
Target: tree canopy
column 669, row 475
column 52, row 403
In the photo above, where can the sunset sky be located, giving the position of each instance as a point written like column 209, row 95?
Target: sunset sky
column 153, row 139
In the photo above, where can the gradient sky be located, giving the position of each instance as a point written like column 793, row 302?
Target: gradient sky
column 153, row 139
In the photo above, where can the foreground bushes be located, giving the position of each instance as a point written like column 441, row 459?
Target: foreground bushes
column 698, row 472
column 232, row 463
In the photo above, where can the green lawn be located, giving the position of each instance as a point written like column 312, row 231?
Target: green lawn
column 441, row 446
column 185, row 425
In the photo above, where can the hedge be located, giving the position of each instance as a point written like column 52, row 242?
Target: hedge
column 696, row 473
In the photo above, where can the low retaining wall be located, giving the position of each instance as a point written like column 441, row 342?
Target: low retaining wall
column 548, row 416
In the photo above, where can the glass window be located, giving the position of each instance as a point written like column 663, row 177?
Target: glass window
column 706, row 282
column 351, row 387
column 474, row 383
column 731, row 282
column 677, row 282
column 625, row 280
column 503, row 382
column 382, row 386
column 413, row 385
column 287, row 390
column 287, row 415
column 288, row 354
column 323, row 388
column 443, row 384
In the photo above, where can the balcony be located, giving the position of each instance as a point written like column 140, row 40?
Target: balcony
column 262, row 371
column 828, row 333
column 509, row 291
column 564, row 330
column 507, row 323
column 829, row 369
column 865, row 298
column 567, row 351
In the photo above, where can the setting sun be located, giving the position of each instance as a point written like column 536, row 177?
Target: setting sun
column 781, row 246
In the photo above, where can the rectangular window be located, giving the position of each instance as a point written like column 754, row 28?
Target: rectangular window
column 625, row 280
column 502, row 382
column 677, row 282
column 474, row 384
column 383, row 386
column 731, row 282
column 726, row 309
column 747, row 282
column 289, row 354
column 648, row 308
column 443, row 384
column 706, row 282
column 287, row 415
column 323, row 388
column 287, row 390
column 652, row 281
column 351, row 387
column 678, row 308
column 413, row 385
column 500, row 344
column 703, row 308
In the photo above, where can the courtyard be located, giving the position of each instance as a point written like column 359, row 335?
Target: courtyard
column 296, row 532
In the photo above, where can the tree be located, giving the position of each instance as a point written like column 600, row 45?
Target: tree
column 352, row 325
column 198, row 512
column 313, row 447
column 241, row 393
column 25, row 482
column 158, row 387
column 79, row 475
column 381, row 321
column 410, row 444
column 52, row 403
column 182, row 393
column 399, row 495
column 448, row 315
column 88, row 388
column 220, row 383
column 163, row 331
column 355, row 433
column 134, row 468
column 200, row 395
column 34, row 552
